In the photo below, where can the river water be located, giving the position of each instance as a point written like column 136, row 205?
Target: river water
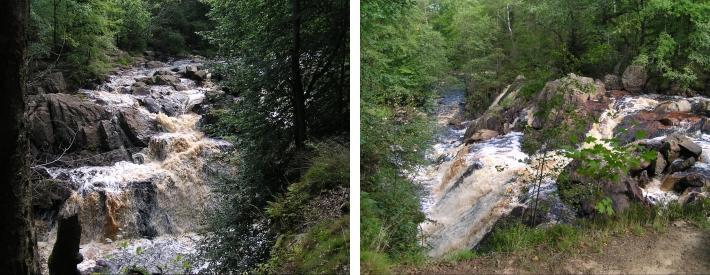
column 467, row 188
column 145, row 212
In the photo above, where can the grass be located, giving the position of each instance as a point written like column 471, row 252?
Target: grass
column 591, row 233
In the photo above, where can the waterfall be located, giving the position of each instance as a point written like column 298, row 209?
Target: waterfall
column 467, row 188
column 154, row 202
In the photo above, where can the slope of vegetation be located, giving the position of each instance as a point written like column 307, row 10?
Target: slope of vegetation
column 285, row 73
column 84, row 39
column 402, row 58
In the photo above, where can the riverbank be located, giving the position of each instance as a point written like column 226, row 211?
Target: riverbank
column 679, row 248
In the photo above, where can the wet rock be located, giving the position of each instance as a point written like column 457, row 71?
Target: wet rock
column 681, row 164
column 613, row 82
column 162, row 72
column 669, row 121
column 140, row 88
column 196, row 73
column 150, row 104
column 676, row 146
column 110, row 135
column 690, row 148
column 58, row 121
column 659, row 165
column 173, row 104
column 50, row 193
column 180, row 87
column 154, row 64
column 481, row 135
column 635, row 191
column 691, row 180
column 691, row 195
column 167, row 80
column 682, row 106
column 65, row 254
column 634, row 78
column 146, row 79
column 137, row 126
column 145, row 202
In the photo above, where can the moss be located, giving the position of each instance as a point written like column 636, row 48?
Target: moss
column 311, row 218
column 321, row 249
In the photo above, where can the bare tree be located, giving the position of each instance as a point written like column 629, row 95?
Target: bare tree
column 18, row 246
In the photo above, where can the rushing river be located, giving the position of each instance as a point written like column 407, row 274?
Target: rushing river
column 467, row 188
column 144, row 212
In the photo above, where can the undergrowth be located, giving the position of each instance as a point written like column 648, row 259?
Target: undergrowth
column 586, row 233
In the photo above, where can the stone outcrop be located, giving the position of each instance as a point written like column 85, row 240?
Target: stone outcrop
column 675, row 161
column 634, row 78
column 481, row 135
column 613, row 82
column 137, row 126
column 59, row 121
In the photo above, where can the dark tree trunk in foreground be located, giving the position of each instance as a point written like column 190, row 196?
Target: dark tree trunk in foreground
column 17, row 244
column 297, row 97
column 65, row 254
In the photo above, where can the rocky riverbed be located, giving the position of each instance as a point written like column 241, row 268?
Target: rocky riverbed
column 128, row 158
column 479, row 171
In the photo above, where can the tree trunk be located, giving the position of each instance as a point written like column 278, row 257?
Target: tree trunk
column 17, row 243
column 297, row 97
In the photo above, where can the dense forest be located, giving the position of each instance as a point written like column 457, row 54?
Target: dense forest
column 176, row 136
column 536, row 76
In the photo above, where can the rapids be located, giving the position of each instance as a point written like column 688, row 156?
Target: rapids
column 467, row 188
column 144, row 212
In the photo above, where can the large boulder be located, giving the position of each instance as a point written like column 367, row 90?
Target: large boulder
column 197, row 74
column 167, row 80
column 58, row 121
column 50, row 194
column 111, row 135
column 679, row 146
column 138, row 127
column 54, row 83
column 613, row 82
column 481, row 135
column 672, row 106
column 679, row 181
column 140, row 88
column 634, row 78
column 154, row 64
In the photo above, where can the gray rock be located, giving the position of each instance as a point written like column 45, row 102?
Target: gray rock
column 612, row 82
column 673, row 106
column 681, row 164
column 54, row 83
column 56, row 121
column 140, row 88
column 146, row 79
column 659, row 165
column 634, row 78
column 137, row 126
column 676, row 145
column 162, row 72
column 110, row 135
column 154, row 64
column 167, row 80
column 150, row 104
